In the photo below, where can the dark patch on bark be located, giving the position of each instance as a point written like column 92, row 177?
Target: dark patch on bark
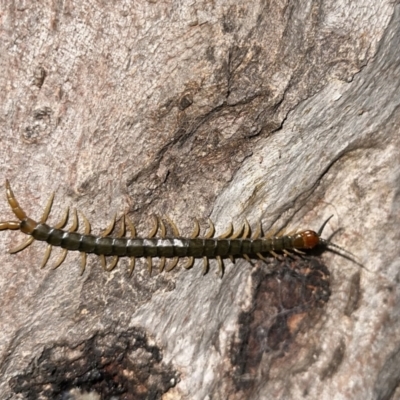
column 110, row 365
column 285, row 302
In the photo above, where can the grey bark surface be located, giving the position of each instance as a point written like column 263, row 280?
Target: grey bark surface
column 286, row 112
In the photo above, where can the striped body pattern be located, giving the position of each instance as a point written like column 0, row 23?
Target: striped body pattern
column 240, row 244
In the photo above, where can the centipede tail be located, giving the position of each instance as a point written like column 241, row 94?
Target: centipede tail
column 242, row 243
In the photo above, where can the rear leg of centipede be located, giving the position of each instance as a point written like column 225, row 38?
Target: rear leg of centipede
column 45, row 215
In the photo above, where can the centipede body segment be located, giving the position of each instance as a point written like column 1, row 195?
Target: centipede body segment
column 231, row 244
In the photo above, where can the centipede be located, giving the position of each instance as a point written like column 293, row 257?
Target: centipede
column 242, row 243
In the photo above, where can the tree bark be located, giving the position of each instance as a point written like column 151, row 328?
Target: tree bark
column 285, row 112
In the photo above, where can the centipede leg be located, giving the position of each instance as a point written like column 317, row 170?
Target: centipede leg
column 22, row 246
column 9, row 225
column 61, row 259
column 189, row 263
column 162, row 264
column 173, row 264
column 237, row 234
column 196, row 230
column 227, row 233
column 220, row 266
column 205, row 265
column 132, row 263
column 299, row 252
column 112, row 264
column 46, row 256
column 83, row 262
column 289, row 254
column 261, row 257
column 276, row 255
column 248, row 259
column 150, row 264
column 258, row 232
column 154, row 230
column 211, row 230
column 175, row 229
column 246, row 232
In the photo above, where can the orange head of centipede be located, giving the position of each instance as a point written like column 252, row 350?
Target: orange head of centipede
column 306, row 240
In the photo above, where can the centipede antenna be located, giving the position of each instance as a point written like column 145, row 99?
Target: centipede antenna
column 227, row 233
column 343, row 252
column 350, row 257
column 196, row 230
column 211, row 230
column 323, row 226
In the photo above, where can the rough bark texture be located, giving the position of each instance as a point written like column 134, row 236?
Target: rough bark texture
column 281, row 110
